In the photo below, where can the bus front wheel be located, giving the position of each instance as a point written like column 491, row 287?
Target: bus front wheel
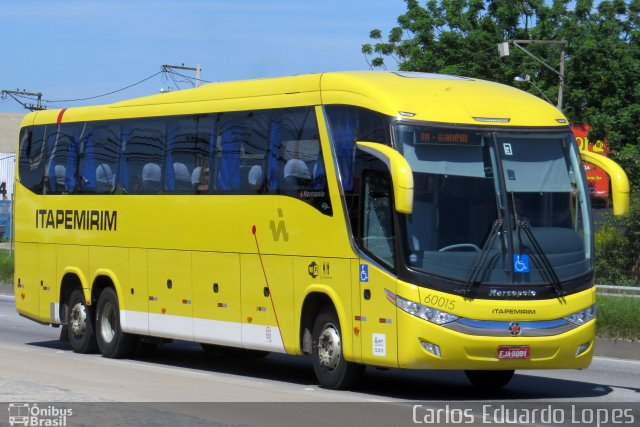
column 489, row 379
column 329, row 365
column 112, row 341
column 80, row 324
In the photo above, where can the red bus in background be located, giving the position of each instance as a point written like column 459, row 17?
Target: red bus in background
column 597, row 179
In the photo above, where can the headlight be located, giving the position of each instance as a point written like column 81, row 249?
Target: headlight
column 582, row 317
column 427, row 313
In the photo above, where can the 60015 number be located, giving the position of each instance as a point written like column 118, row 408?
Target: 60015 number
column 440, row 302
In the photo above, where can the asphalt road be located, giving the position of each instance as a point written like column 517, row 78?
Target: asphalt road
column 36, row 367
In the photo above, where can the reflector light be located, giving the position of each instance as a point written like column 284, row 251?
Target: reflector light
column 492, row 119
column 582, row 348
column 406, row 114
column 431, row 348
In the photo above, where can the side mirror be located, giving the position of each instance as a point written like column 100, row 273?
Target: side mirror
column 401, row 175
column 619, row 180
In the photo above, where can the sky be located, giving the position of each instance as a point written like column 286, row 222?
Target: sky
column 70, row 49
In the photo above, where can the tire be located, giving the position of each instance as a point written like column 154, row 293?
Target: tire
column 329, row 364
column 112, row 341
column 489, row 379
column 80, row 324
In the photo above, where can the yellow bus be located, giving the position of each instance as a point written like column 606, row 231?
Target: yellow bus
column 390, row 219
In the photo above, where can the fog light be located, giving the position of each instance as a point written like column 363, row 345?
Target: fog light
column 582, row 348
column 431, row 348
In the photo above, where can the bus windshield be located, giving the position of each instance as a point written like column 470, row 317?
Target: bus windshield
column 510, row 205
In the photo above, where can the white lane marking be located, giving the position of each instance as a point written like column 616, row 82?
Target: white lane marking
column 613, row 359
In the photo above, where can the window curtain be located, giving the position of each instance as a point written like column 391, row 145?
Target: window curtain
column 51, row 170
column 229, row 176
column 212, row 159
column 274, row 150
column 169, row 173
column 88, row 165
column 344, row 138
column 123, row 167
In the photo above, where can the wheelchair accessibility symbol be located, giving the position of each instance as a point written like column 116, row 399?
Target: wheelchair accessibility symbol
column 521, row 263
column 364, row 273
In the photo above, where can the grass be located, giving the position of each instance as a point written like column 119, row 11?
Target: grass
column 6, row 272
column 618, row 317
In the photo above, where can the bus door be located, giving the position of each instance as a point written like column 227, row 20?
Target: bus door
column 377, row 314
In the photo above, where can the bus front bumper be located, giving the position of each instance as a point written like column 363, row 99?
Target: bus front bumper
column 423, row 345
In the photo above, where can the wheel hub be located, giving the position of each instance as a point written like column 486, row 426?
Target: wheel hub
column 107, row 319
column 329, row 346
column 78, row 321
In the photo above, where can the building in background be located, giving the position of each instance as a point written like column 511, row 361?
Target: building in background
column 9, row 125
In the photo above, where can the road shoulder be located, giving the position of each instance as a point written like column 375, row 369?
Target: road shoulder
column 617, row 349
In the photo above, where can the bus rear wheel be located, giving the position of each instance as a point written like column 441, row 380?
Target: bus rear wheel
column 329, row 364
column 489, row 379
column 112, row 341
column 80, row 324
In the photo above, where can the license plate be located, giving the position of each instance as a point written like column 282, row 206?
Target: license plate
column 514, row 352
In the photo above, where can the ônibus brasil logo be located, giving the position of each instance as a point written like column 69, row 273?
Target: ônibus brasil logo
column 26, row 414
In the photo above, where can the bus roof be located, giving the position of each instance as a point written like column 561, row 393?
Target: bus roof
column 419, row 96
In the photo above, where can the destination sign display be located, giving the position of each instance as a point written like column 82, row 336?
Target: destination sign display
column 440, row 136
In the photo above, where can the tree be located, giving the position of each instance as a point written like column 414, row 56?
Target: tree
column 602, row 83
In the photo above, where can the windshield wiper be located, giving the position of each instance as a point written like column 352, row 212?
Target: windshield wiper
column 479, row 262
column 541, row 260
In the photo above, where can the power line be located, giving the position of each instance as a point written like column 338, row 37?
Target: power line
column 57, row 101
column 14, row 94
column 31, row 95
column 187, row 77
column 169, row 69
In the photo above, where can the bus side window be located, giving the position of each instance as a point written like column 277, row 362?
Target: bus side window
column 62, row 159
column 300, row 158
column 240, row 153
column 351, row 124
column 144, row 155
column 253, row 155
column 228, row 173
column 32, row 159
column 187, row 154
column 299, row 163
column 377, row 234
column 98, row 159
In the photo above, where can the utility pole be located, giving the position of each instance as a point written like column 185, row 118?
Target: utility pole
column 197, row 69
column 503, row 50
column 30, row 107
